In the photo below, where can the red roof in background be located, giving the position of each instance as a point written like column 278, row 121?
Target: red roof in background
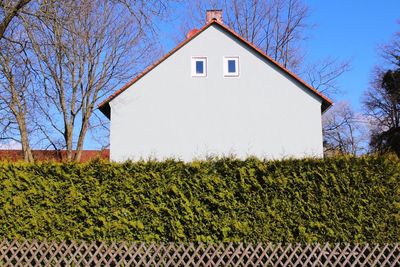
column 105, row 108
column 53, row 155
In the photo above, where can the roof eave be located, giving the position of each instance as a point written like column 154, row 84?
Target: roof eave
column 151, row 67
column 105, row 106
column 325, row 106
column 105, row 109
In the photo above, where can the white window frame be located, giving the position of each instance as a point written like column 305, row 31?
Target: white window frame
column 193, row 66
column 225, row 63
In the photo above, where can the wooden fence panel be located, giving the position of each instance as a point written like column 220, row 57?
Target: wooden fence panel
column 70, row 253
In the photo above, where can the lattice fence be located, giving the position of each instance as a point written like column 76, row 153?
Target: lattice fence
column 34, row 253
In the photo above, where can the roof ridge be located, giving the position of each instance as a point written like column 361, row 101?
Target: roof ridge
column 106, row 109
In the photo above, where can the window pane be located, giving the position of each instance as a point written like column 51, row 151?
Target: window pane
column 199, row 67
column 232, row 66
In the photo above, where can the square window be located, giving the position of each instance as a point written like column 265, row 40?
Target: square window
column 199, row 66
column 231, row 66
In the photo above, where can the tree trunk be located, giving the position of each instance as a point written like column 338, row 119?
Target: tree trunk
column 68, row 142
column 81, row 138
column 26, row 149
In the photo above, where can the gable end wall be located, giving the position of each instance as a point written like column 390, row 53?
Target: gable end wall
column 168, row 113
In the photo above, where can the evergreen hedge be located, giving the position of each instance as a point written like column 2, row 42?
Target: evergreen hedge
column 334, row 200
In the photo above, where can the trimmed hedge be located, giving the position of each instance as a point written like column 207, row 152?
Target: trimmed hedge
column 332, row 200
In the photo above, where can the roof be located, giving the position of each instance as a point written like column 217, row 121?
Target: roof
column 105, row 107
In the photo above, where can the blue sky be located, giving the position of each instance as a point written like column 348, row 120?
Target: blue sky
column 347, row 30
column 344, row 29
column 352, row 29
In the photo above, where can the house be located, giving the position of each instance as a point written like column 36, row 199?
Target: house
column 215, row 94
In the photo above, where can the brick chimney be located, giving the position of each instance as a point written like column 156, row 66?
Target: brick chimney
column 215, row 14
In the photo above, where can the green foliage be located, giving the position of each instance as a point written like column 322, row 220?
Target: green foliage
column 334, row 200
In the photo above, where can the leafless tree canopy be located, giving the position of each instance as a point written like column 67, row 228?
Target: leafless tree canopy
column 70, row 55
column 10, row 9
column 278, row 27
column 14, row 98
column 379, row 105
column 344, row 131
column 391, row 52
column 15, row 78
column 323, row 75
column 382, row 100
column 275, row 26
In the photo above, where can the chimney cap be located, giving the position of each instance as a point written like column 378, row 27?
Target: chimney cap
column 214, row 14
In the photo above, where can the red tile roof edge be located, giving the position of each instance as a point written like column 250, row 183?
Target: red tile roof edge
column 326, row 102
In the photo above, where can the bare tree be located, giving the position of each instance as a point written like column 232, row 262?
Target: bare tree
column 15, row 83
column 382, row 105
column 382, row 100
column 275, row 26
column 84, row 49
column 278, row 28
column 323, row 75
column 10, row 9
column 343, row 131
column 390, row 52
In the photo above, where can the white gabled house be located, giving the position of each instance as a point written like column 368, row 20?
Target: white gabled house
column 215, row 94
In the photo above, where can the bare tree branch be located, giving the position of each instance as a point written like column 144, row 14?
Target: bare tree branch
column 83, row 51
column 8, row 11
column 277, row 27
column 15, row 84
column 344, row 131
column 323, row 75
column 382, row 101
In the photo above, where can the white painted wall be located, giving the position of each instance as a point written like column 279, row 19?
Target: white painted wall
column 262, row 113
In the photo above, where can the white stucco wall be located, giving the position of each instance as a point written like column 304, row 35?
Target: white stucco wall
column 168, row 113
